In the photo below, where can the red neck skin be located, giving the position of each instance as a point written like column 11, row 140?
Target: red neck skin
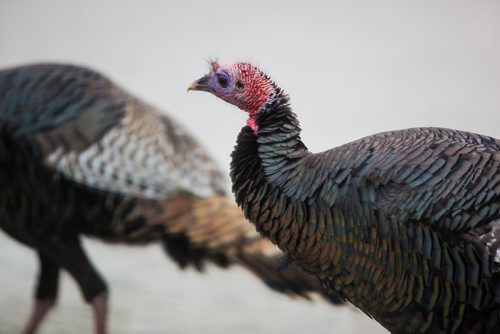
column 262, row 106
column 260, row 91
column 252, row 122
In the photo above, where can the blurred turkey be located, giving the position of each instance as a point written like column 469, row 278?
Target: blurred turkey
column 404, row 224
column 78, row 155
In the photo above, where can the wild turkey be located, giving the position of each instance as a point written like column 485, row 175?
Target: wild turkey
column 78, row 155
column 403, row 224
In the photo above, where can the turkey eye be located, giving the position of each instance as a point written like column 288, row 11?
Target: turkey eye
column 240, row 85
column 222, row 81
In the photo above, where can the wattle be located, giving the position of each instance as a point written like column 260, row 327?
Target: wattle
column 252, row 122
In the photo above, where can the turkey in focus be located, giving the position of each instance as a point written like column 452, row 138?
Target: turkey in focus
column 403, row 224
column 80, row 156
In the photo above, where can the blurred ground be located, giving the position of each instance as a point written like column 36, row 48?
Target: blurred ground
column 150, row 295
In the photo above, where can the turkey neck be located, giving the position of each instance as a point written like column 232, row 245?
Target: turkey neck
column 265, row 168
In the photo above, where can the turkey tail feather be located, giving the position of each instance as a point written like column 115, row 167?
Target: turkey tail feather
column 214, row 229
column 263, row 259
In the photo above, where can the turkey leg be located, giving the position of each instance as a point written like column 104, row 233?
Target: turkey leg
column 45, row 293
column 70, row 255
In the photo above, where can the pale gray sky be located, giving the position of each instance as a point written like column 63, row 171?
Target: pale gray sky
column 352, row 68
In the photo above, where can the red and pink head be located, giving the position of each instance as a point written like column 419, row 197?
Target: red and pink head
column 240, row 84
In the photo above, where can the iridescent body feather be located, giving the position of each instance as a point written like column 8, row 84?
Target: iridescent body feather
column 403, row 224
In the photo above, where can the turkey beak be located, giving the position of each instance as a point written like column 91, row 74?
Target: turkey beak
column 200, row 84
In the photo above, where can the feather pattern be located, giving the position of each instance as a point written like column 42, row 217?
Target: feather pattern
column 404, row 224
